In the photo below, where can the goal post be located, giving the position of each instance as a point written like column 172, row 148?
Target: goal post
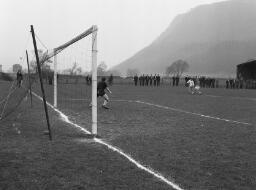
column 93, row 32
column 94, row 81
column 55, row 81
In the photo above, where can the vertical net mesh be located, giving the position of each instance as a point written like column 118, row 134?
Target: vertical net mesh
column 74, row 75
column 74, row 60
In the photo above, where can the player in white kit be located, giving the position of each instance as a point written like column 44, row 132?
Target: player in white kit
column 192, row 88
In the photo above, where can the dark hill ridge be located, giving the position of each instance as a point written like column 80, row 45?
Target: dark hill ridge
column 212, row 38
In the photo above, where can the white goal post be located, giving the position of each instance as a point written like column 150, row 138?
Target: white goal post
column 93, row 31
column 94, row 81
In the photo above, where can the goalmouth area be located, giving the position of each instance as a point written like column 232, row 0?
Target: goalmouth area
column 196, row 142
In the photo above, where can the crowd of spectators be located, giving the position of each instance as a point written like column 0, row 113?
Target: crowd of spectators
column 175, row 80
column 239, row 84
column 147, row 80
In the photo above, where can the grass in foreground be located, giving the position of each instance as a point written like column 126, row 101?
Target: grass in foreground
column 198, row 153
column 71, row 161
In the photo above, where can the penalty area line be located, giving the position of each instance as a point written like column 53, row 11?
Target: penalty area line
column 192, row 113
column 115, row 149
column 231, row 97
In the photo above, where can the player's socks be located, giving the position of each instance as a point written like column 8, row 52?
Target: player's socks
column 105, row 102
column 105, row 106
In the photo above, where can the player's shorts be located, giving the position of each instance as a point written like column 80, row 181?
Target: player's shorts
column 197, row 87
column 100, row 94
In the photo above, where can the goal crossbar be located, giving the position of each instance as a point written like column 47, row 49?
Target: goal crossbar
column 65, row 45
column 77, row 38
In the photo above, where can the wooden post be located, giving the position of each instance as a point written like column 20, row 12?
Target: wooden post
column 30, row 91
column 41, row 82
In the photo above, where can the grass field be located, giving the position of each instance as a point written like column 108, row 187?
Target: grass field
column 197, row 142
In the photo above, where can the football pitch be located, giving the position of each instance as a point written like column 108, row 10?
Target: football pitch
column 199, row 142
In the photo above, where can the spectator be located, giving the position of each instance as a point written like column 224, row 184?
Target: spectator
column 19, row 78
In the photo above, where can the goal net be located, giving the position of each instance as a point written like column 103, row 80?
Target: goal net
column 12, row 96
column 70, row 77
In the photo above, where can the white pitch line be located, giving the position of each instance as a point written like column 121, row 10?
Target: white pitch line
column 115, row 149
column 117, row 100
column 179, row 110
column 74, row 99
column 140, row 166
column 214, row 96
column 193, row 113
column 84, row 99
column 231, row 97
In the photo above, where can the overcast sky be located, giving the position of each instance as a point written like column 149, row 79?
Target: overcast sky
column 125, row 26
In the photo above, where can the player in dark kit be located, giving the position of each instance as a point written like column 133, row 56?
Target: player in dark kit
column 19, row 78
column 101, row 87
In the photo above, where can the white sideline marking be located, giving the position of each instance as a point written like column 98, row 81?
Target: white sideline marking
column 139, row 165
column 193, row 113
column 179, row 110
column 214, row 96
column 86, row 99
column 231, row 97
column 115, row 149
column 75, row 99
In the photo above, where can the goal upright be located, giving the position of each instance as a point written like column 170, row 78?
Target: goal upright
column 93, row 33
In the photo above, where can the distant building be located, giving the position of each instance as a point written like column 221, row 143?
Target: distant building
column 247, row 70
column 16, row 67
column 1, row 69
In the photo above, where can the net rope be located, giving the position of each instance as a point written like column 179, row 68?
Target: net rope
column 16, row 95
column 60, row 48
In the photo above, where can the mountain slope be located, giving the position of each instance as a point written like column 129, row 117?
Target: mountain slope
column 212, row 38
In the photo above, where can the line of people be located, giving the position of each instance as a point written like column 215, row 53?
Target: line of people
column 234, row 83
column 175, row 80
column 147, row 80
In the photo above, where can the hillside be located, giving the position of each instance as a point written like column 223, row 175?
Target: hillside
column 213, row 39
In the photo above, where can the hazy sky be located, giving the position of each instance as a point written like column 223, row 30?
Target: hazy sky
column 125, row 26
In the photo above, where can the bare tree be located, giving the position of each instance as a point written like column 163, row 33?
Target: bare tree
column 42, row 58
column 73, row 69
column 102, row 69
column 79, row 70
column 177, row 68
